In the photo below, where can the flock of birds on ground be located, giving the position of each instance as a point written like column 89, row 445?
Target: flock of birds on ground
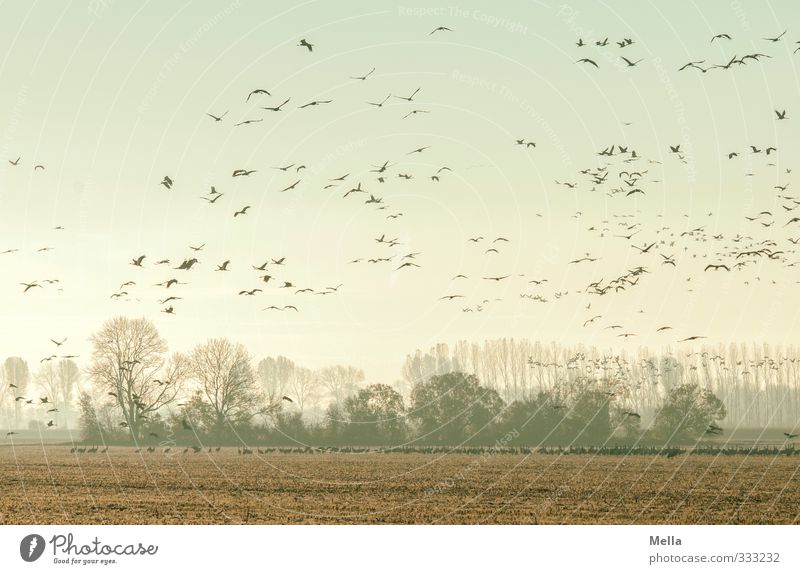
column 618, row 170
column 666, row 451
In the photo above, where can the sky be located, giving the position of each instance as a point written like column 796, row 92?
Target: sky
column 110, row 97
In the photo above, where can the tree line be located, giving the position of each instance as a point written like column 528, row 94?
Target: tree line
column 759, row 383
column 141, row 393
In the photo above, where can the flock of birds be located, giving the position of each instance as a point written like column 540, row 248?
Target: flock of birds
column 695, row 64
column 668, row 451
column 619, row 171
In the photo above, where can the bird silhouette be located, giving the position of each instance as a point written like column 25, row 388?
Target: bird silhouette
column 629, row 63
column 245, row 123
column 185, row 266
column 409, row 98
column 315, row 103
column 277, row 108
column 777, row 38
column 290, row 187
column 415, row 112
column 217, row 118
column 380, row 104
column 364, row 77
column 257, row 91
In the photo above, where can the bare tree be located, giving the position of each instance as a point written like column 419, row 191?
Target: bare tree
column 129, row 362
column 227, row 383
column 304, row 386
column 46, row 379
column 58, row 383
column 341, row 381
column 274, row 375
column 68, row 378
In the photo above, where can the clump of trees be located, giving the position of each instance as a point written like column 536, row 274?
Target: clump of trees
column 689, row 411
column 759, row 383
column 453, row 409
column 373, row 415
column 140, row 392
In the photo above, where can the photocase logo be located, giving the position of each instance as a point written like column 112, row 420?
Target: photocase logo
column 31, row 547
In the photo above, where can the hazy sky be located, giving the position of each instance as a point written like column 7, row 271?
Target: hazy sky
column 112, row 96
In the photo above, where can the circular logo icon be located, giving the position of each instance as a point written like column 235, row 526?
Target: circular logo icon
column 31, row 548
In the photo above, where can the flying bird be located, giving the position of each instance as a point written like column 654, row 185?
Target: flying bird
column 380, row 104
column 776, row 38
column 315, row 103
column 409, row 98
column 256, row 91
column 364, row 77
column 415, row 112
column 631, row 64
column 185, row 266
column 291, row 186
column 407, row 264
column 217, row 118
column 277, row 108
